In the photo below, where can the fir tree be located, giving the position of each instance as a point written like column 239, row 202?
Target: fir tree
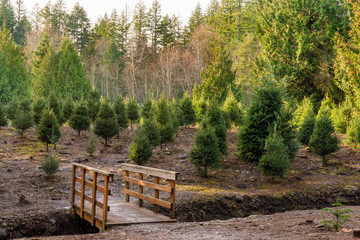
column 306, row 129
column 216, row 119
column 187, row 110
column 48, row 130
column 93, row 104
column 322, row 141
column 205, row 152
column 140, row 150
column 24, row 118
column 106, row 125
column 275, row 162
column 232, row 110
column 11, row 108
column 147, row 108
column 179, row 116
column 151, row 130
column 121, row 113
column 54, row 104
column 67, row 109
column 91, row 145
column 3, row 120
column 133, row 111
column 38, row 109
column 80, row 120
column 200, row 107
column 260, row 116
column 163, row 118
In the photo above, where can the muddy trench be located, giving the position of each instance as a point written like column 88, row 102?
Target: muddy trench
column 189, row 209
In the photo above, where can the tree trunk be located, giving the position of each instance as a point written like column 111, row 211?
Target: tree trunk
column 106, row 142
column 79, row 133
column 47, row 147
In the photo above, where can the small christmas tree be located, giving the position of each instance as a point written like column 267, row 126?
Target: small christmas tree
column 216, row 119
column 50, row 165
column 306, row 128
column 80, row 120
column 121, row 113
column 48, row 130
column 163, row 118
column 38, row 109
column 106, row 125
column 200, row 107
column 232, row 110
column 91, row 145
column 151, row 130
column 133, row 111
column 187, row 110
column 93, row 104
column 275, row 162
column 67, row 109
column 3, row 120
column 12, row 107
column 205, row 152
column 322, row 141
column 140, row 150
column 24, row 118
column 54, row 104
column 147, row 107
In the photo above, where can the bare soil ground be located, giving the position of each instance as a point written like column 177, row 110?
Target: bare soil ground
column 236, row 189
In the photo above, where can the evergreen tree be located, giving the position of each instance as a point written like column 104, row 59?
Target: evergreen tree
column 163, row 118
column 351, row 129
column 341, row 115
column 147, row 108
column 48, row 130
column 166, row 37
column 54, row 104
column 179, row 116
column 67, row 109
column 24, row 118
column 140, row 22
column 11, row 108
column 200, row 107
column 306, row 129
column 275, row 162
column 205, row 152
column 7, row 15
column 196, row 18
column 260, row 116
column 140, row 150
column 121, row 113
column 151, row 130
column 80, row 120
column 217, row 78
column 187, row 110
column 3, row 120
column 216, row 119
column 22, row 25
column 154, row 18
column 322, row 141
column 106, row 125
column 5, row 93
column 38, row 109
column 132, row 111
column 93, row 104
column 232, row 110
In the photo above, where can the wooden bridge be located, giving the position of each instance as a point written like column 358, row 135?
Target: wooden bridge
column 91, row 196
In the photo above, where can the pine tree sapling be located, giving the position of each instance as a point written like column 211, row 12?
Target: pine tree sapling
column 200, row 107
column 132, row 110
column 24, row 118
column 306, row 129
column 67, row 109
column 91, row 145
column 106, row 125
column 80, row 120
column 215, row 118
column 341, row 215
column 275, row 162
column 54, row 104
column 50, row 165
column 147, row 108
column 48, row 130
column 151, row 130
column 205, row 152
column 121, row 113
column 232, row 110
column 140, row 150
column 38, row 109
column 93, row 104
column 11, row 108
column 163, row 118
column 322, row 141
column 187, row 110
column 3, row 120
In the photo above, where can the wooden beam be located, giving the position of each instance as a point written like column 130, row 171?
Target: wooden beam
column 148, row 198
column 90, row 185
column 127, row 185
column 90, row 169
column 172, row 199
column 73, row 185
column 141, row 189
column 148, row 184
column 82, row 199
column 93, row 203
column 157, row 181
column 89, row 199
column 105, row 202
column 150, row 171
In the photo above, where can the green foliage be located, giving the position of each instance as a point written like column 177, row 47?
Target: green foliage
column 275, row 162
column 54, row 104
column 24, row 117
column 147, row 107
column 67, row 109
column 93, row 104
column 38, row 109
column 341, row 115
column 91, row 145
column 151, row 131
column 325, row 107
column 80, row 120
column 173, row 117
column 3, row 120
column 306, row 129
column 232, row 110
column 200, row 107
column 11, row 108
column 205, row 152
column 216, row 119
column 133, row 111
column 187, row 110
column 303, row 110
column 177, row 115
column 50, row 165
column 140, row 150
column 351, row 129
column 322, row 141
column 341, row 215
column 48, row 130
column 163, row 118
column 106, row 125
column 121, row 113
column 259, row 119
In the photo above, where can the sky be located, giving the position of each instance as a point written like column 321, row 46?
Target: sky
column 95, row 8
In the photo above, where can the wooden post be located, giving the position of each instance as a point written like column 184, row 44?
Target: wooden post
column 93, row 204
column 73, row 191
column 172, row 199
column 82, row 200
column 157, row 181
column 141, row 189
column 105, row 203
column 127, row 185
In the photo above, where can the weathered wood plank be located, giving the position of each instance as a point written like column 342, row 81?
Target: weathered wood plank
column 148, row 184
column 89, row 199
column 150, row 171
column 104, row 173
column 172, row 199
column 148, row 198
column 90, row 185
column 157, row 193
